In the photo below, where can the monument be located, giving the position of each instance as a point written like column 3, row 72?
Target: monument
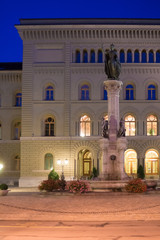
column 114, row 142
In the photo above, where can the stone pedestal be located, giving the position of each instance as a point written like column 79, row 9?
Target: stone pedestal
column 113, row 148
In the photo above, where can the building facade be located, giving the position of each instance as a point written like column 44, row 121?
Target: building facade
column 51, row 108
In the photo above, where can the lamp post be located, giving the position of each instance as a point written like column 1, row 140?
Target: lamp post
column 62, row 163
column 1, row 166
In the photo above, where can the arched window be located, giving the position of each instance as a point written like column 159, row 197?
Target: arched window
column 19, row 99
column 129, row 56
column 78, row 56
column 130, row 125
column 151, row 92
column 122, row 56
column 49, row 127
column 144, row 56
column 136, row 56
column 105, row 95
column 85, row 95
column 85, row 126
column 49, row 93
column 0, row 130
column 131, row 162
column 151, row 56
column 151, row 125
column 158, row 56
column 100, row 56
column 151, row 162
column 17, row 130
column 16, row 163
column 129, row 92
column 92, row 59
column 85, row 56
column 48, row 161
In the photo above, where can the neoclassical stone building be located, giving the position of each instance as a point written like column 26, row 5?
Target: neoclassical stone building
column 51, row 108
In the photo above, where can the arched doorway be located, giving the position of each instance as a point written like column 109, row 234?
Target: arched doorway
column 84, row 163
column 131, row 162
column 152, row 162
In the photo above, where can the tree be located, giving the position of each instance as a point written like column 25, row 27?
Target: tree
column 140, row 172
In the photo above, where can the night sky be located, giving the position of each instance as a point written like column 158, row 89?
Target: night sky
column 12, row 10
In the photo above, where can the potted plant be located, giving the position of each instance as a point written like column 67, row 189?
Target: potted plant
column 3, row 189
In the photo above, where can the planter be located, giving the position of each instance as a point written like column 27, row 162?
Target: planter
column 3, row 192
column 151, row 184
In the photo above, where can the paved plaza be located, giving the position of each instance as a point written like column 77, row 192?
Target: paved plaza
column 29, row 203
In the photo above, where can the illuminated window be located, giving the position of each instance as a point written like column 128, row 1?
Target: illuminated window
column 78, row 56
column 130, row 125
column 85, row 126
column 49, row 93
column 151, row 162
column 151, row 92
column 48, row 161
column 49, row 127
column 151, row 125
column 129, row 92
column 100, row 56
column 85, row 92
column 18, row 99
column 130, row 162
column 17, row 130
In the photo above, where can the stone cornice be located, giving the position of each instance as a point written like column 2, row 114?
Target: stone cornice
column 127, row 68
column 11, row 76
column 101, row 32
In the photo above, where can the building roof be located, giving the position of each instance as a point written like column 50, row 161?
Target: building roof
column 5, row 66
column 90, row 21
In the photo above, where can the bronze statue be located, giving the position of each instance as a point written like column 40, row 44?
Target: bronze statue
column 104, row 128
column 121, row 132
column 112, row 64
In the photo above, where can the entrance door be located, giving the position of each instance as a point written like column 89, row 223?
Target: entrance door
column 87, row 163
column 131, row 162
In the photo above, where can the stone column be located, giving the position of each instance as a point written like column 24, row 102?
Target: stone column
column 104, row 144
column 113, row 89
column 121, row 147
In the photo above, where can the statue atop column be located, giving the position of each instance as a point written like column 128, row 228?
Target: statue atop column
column 112, row 64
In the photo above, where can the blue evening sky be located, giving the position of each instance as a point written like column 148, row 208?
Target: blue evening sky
column 12, row 10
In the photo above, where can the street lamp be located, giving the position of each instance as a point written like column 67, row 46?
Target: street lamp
column 1, row 166
column 61, row 162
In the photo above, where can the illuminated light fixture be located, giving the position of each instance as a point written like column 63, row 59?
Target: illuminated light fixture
column 65, row 161
column 1, row 166
column 59, row 162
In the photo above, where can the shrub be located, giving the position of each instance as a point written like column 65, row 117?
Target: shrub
column 140, row 172
column 78, row 186
column 62, row 184
column 94, row 173
column 136, row 186
column 3, row 186
column 48, row 185
column 53, row 175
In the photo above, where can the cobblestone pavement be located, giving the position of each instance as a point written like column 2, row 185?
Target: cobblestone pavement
column 29, row 204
